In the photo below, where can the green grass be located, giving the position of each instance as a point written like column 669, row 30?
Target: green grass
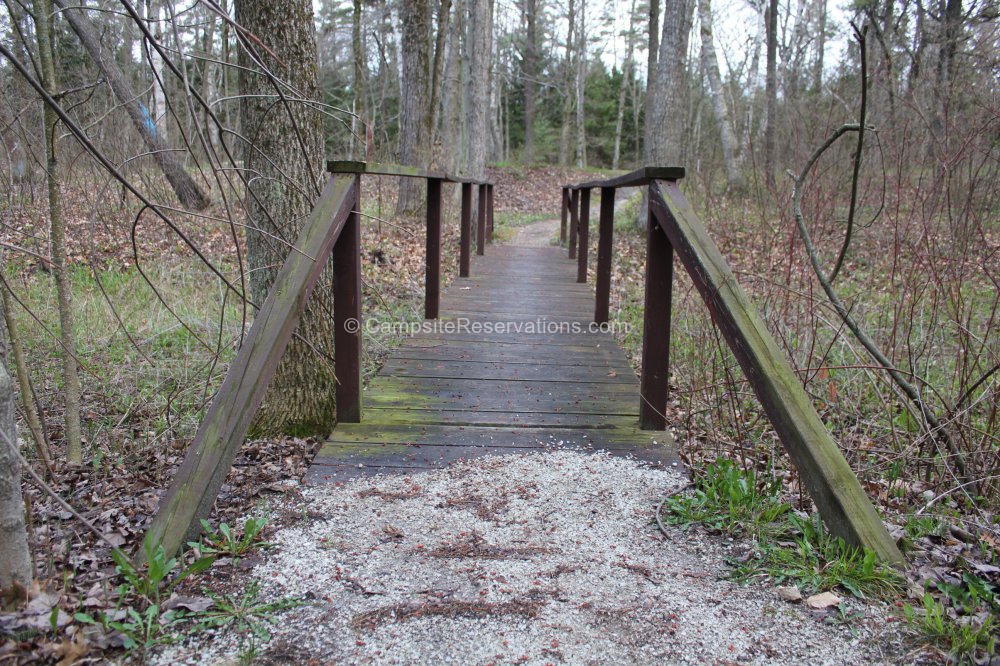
column 135, row 390
column 787, row 548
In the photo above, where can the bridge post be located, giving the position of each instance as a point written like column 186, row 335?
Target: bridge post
column 432, row 277
column 656, row 326
column 563, row 212
column 605, row 242
column 466, row 233
column 584, row 236
column 481, row 221
column 347, row 313
column 489, row 213
column 574, row 221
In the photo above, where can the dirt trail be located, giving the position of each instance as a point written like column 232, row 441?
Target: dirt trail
column 537, row 234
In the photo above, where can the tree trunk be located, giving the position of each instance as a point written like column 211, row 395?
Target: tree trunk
column 568, row 81
column 437, row 72
column 479, row 50
column 15, row 558
column 57, row 226
column 817, row 83
column 670, row 90
column 358, row 126
column 734, row 176
column 530, row 69
column 184, row 187
column 160, row 113
column 771, row 90
column 581, row 79
column 285, row 156
column 28, row 402
column 415, row 110
column 627, row 74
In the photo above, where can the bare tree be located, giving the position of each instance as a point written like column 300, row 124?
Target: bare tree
column 477, row 93
column 730, row 149
column 669, row 106
column 568, row 82
column 57, row 230
column 771, row 89
column 581, row 79
column 187, row 191
column 628, row 75
column 529, row 68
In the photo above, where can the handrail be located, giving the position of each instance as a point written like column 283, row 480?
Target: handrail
column 673, row 225
column 333, row 229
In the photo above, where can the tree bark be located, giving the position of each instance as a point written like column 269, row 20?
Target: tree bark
column 437, row 72
column 581, row 78
column 479, row 49
column 358, row 122
column 415, row 110
column 628, row 70
column 530, row 69
column 187, row 191
column 771, row 90
column 730, row 150
column 568, row 81
column 57, row 235
column 15, row 558
column 669, row 111
column 28, row 402
column 285, row 161
column 817, row 82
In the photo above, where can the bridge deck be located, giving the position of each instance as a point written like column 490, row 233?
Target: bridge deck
column 513, row 367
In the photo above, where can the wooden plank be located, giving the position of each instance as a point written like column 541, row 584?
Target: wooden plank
column 636, row 178
column 465, row 233
column 624, row 438
column 605, row 248
column 574, row 221
column 196, row 484
column 507, row 371
column 377, row 169
column 432, row 261
column 415, row 386
column 497, row 419
column 831, row 483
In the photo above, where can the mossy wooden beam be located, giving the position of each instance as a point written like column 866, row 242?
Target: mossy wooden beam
column 376, row 169
column 636, row 178
column 196, row 484
column 842, row 503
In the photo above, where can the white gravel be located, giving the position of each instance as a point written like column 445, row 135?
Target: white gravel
column 566, row 536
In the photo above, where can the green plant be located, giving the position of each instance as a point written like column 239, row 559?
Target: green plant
column 138, row 615
column 232, row 543
column 730, row 500
column 788, row 548
column 249, row 616
column 964, row 639
column 817, row 561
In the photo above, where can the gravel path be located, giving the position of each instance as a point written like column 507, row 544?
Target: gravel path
column 541, row 559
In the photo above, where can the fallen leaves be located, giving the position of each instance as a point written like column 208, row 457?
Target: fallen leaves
column 823, row 600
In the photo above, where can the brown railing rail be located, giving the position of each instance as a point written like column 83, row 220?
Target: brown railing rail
column 333, row 229
column 674, row 226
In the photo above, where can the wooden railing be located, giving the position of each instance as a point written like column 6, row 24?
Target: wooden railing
column 674, row 226
column 333, row 229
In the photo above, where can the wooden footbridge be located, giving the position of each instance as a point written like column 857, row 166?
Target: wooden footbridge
column 515, row 357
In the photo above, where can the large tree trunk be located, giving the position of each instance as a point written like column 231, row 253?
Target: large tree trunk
column 57, row 229
column 734, row 176
column 771, row 90
column 437, row 72
column 817, row 82
column 479, row 50
column 415, row 110
column 669, row 112
column 15, row 558
column 285, row 162
column 530, row 69
column 184, row 187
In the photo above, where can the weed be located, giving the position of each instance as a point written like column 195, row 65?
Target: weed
column 229, row 542
column 249, row 616
column 139, row 616
column 788, row 548
column 964, row 638
column 727, row 499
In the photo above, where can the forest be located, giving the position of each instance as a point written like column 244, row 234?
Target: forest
column 159, row 159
